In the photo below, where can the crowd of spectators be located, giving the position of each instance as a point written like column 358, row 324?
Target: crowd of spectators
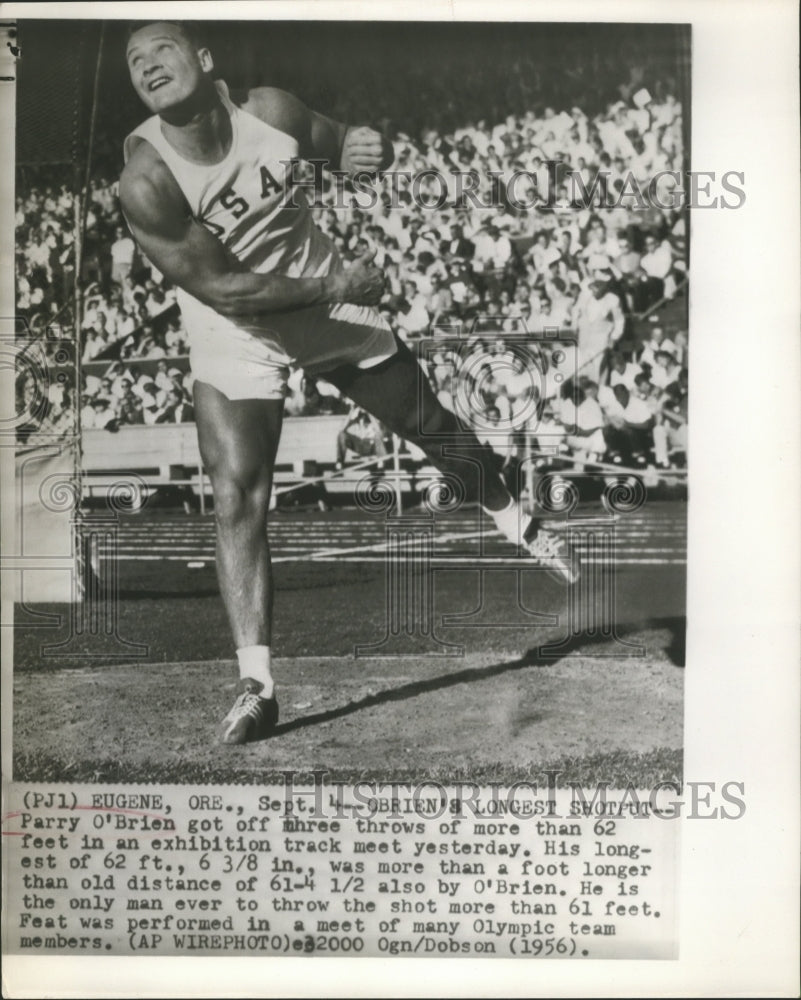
column 491, row 252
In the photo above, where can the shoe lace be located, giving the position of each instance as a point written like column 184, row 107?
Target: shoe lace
column 246, row 704
column 546, row 545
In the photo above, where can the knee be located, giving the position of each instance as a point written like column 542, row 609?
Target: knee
column 240, row 494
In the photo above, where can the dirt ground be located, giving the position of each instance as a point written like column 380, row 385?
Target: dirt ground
column 482, row 714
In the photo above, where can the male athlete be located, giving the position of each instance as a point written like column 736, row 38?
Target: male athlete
column 207, row 194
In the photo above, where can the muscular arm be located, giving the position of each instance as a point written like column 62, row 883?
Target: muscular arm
column 190, row 257
column 352, row 148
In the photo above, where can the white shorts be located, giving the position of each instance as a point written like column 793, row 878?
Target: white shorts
column 248, row 357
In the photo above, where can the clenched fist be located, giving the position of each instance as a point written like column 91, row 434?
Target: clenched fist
column 362, row 283
column 365, row 151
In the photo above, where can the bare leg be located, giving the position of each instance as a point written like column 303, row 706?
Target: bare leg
column 238, row 442
column 399, row 395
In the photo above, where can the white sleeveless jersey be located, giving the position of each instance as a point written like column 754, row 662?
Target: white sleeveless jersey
column 249, row 203
column 248, row 200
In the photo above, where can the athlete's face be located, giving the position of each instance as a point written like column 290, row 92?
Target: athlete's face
column 166, row 69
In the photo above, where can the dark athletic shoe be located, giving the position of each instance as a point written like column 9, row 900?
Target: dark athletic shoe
column 547, row 548
column 252, row 717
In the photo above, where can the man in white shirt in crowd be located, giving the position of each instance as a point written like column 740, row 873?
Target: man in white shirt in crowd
column 623, row 372
column 175, row 338
column 665, row 370
column 104, row 414
column 415, row 321
column 87, row 415
column 161, row 378
column 600, row 324
column 176, row 410
column 362, row 434
column 123, row 250
column 644, row 423
column 493, row 252
column 585, row 423
column 657, row 262
column 658, row 341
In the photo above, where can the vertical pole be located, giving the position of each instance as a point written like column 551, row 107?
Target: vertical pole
column 396, row 470
column 202, row 486
column 529, row 472
column 81, row 209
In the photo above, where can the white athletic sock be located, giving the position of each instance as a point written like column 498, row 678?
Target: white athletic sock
column 511, row 521
column 254, row 661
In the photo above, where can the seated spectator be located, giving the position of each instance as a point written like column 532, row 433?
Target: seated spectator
column 594, row 255
column 294, row 399
column 148, row 393
column 560, row 314
column 126, row 322
column 539, row 252
column 362, row 434
column 176, row 410
column 623, row 440
column 600, row 325
column 95, row 342
column 665, row 370
column 413, row 319
column 104, row 415
column 175, row 338
column 622, row 372
column 658, row 341
column 586, row 423
column 306, row 401
column 161, row 376
column 122, row 251
column 657, row 263
column 520, row 386
column 674, row 418
column 179, row 382
column 122, row 382
column 130, row 408
column 457, row 246
column 680, row 346
column 640, row 289
column 464, row 292
column 439, row 303
column 542, row 319
column 158, row 299
column 492, row 258
column 626, row 262
column 87, row 413
column 523, row 322
column 640, row 420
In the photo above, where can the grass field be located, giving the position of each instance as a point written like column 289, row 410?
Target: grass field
column 502, row 709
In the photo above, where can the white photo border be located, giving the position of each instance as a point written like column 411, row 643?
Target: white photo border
column 739, row 879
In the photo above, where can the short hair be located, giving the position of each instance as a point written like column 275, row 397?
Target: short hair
column 193, row 31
